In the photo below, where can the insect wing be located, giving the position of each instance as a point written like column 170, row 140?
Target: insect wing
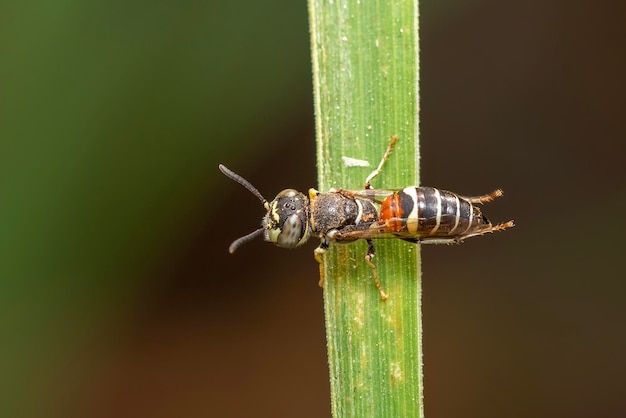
column 377, row 230
column 407, row 229
column 374, row 195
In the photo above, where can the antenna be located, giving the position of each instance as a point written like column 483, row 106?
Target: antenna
column 240, row 241
column 245, row 183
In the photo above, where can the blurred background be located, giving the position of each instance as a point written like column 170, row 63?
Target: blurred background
column 118, row 297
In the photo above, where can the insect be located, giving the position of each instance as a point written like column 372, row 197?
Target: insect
column 415, row 214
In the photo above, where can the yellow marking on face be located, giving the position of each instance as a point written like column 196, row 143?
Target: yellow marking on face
column 273, row 234
column 274, row 212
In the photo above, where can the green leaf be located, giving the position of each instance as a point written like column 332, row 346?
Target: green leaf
column 366, row 73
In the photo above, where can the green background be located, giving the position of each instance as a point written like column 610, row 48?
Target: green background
column 118, row 296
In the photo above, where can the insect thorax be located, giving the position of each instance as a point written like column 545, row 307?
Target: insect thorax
column 334, row 210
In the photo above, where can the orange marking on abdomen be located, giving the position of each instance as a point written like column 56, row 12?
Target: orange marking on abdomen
column 391, row 212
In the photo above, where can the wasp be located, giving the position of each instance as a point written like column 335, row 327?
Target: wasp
column 423, row 215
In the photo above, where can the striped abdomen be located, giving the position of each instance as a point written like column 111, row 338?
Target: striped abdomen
column 429, row 212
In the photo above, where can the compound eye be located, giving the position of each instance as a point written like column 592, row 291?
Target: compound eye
column 291, row 232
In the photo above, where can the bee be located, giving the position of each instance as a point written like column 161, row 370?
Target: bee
column 421, row 215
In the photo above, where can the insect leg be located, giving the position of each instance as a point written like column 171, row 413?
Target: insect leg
column 483, row 198
column 505, row 225
column 498, row 227
column 318, row 253
column 368, row 259
column 376, row 172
